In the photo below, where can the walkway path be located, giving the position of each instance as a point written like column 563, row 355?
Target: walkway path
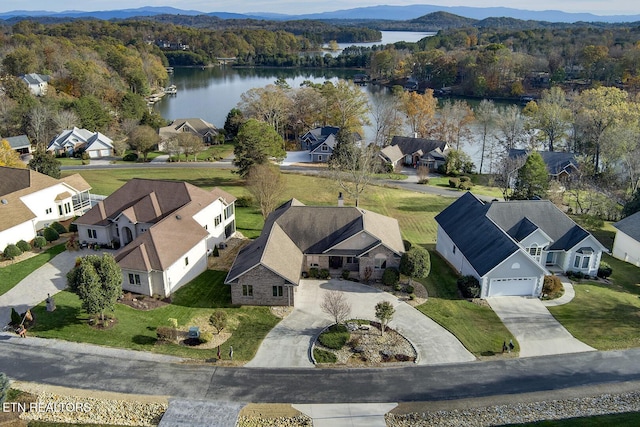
column 347, row 414
column 289, row 342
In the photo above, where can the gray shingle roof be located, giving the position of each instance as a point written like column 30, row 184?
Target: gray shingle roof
column 630, row 226
column 294, row 229
column 409, row 145
column 17, row 142
column 555, row 161
column 481, row 241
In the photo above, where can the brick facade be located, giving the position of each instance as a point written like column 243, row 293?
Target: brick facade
column 368, row 260
column 262, row 280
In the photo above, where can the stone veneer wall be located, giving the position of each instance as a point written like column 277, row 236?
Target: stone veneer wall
column 262, row 279
column 369, row 261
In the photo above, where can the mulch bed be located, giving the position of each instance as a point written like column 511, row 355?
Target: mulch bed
column 143, row 302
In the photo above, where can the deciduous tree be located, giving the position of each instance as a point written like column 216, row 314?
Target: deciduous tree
column 8, row 156
column 266, row 183
column 190, row 144
column 352, row 166
column 143, row 139
column 335, row 304
column 46, row 163
column 486, row 115
column 551, row 115
column 420, row 111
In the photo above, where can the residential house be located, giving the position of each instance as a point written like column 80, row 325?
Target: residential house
column 204, row 130
column 38, row 83
column 510, row 246
column 30, row 201
column 76, row 141
column 320, row 143
column 626, row 245
column 416, row 152
column 164, row 229
column 20, row 143
column 560, row 164
column 297, row 238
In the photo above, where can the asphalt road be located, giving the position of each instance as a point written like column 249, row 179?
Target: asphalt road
column 83, row 370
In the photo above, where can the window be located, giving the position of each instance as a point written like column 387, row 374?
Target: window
column 92, row 233
column 247, row 290
column 454, row 249
column 134, row 279
column 186, row 260
column 585, row 261
column 581, row 261
column 60, row 209
column 277, row 291
column 67, row 208
column 319, row 158
column 325, row 148
column 218, row 220
column 314, row 260
column 351, row 260
column 206, row 226
column 380, row 262
column 535, row 251
column 228, row 212
column 49, row 210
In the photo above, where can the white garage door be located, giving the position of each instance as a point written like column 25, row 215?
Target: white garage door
column 512, row 286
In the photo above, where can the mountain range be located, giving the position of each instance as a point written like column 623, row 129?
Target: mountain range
column 383, row 12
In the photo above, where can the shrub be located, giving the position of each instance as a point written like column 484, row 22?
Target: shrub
column 423, row 181
column 464, row 178
column 73, row 228
column 604, row 270
column 577, row 275
column 335, row 337
column 391, row 276
column 346, row 274
column 85, row 156
column 465, row 186
column 397, row 287
column 324, row 356
column 409, row 289
column 407, row 245
column 551, row 285
column 412, row 296
column 23, row 245
column 469, row 286
column 323, row 274
column 454, row 182
column 39, row 242
column 206, row 337
column 244, row 202
column 11, row 251
column 50, row 234
column 216, row 252
column 131, row 157
column 313, row 272
column 58, row 227
column 16, row 319
column 218, row 320
column 166, row 334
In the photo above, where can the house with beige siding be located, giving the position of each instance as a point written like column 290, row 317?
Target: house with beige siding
column 164, row 231
column 30, row 201
column 297, row 239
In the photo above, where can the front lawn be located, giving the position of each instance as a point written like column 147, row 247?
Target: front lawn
column 478, row 187
column 477, row 327
column 12, row 274
column 606, row 317
column 136, row 329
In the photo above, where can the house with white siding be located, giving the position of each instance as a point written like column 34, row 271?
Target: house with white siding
column 626, row 245
column 76, row 141
column 30, row 201
column 164, row 231
column 510, row 246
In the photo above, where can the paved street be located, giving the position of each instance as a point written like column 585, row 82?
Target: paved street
column 288, row 343
column 79, row 369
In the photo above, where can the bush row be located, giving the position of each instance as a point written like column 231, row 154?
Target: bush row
column 462, row 183
column 469, row 286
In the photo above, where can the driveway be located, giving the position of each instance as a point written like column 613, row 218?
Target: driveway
column 288, row 344
column 537, row 331
column 51, row 278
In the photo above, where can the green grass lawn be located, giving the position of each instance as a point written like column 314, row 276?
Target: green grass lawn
column 606, row 317
column 477, row 327
column 12, row 274
column 484, row 190
column 136, row 329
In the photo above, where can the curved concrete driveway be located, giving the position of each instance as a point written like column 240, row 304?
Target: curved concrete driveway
column 288, row 343
column 51, row 278
column 537, row 331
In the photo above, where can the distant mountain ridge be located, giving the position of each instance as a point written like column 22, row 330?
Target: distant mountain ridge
column 382, row 12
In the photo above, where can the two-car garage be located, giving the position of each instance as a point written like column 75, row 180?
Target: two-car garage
column 519, row 286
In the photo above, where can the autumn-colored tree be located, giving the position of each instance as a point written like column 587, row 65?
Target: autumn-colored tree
column 420, row 111
column 452, row 125
column 143, row 139
column 551, row 115
column 190, row 144
column 8, row 156
column 486, row 114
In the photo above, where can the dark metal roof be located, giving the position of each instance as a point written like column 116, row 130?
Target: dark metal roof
column 555, row 161
column 481, row 241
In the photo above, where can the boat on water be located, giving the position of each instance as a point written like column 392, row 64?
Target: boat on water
column 171, row 90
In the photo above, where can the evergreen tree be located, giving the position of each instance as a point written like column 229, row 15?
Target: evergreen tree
column 45, row 163
column 532, row 180
column 415, row 263
column 633, row 205
column 256, row 143
column 233, row 122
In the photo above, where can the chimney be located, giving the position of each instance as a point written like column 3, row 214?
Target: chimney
column 340, row 200
column 415, row 134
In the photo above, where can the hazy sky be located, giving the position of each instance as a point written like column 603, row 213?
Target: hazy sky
column 600, row 7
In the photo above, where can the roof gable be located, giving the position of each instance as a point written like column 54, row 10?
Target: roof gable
column 410, row 146
column 630, row 226
column 481, row 241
